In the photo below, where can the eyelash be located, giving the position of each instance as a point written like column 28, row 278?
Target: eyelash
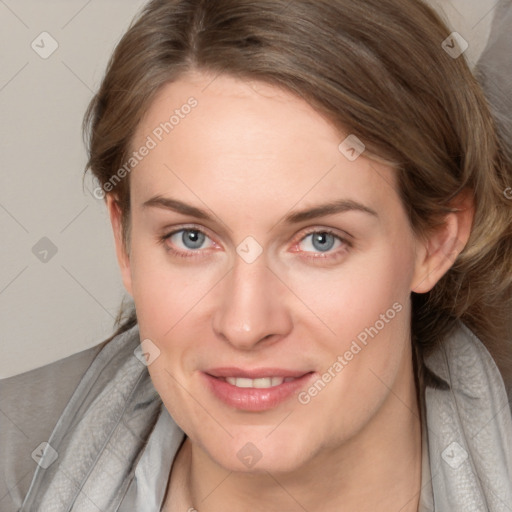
column 323, row 256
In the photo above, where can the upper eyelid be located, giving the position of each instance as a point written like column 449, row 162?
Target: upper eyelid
column 346, row 240
column 172, row 232
column 341, row 234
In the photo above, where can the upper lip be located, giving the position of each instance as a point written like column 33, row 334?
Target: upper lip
column 255, row 373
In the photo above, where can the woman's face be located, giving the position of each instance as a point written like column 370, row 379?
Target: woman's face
column 255, row 287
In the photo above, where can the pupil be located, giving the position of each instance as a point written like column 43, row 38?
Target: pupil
column 192, row 239
column 321, row 238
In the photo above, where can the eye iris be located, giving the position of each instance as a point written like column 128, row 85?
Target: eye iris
column 194, row 237
column 322, row 238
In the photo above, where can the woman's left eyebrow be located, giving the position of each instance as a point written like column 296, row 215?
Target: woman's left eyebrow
column 331, row 208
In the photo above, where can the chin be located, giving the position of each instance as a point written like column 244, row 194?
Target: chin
column 253, row 452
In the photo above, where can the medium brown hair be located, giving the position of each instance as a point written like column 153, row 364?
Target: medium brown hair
column 376, row 69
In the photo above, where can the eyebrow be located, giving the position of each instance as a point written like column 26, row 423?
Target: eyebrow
column 331, row 208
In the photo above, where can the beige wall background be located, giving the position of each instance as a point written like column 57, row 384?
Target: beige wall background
column 60, row 286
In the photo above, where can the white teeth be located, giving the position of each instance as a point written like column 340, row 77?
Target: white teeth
column 264, row 382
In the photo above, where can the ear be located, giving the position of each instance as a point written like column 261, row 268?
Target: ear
column 437, row 253
column 123, row 257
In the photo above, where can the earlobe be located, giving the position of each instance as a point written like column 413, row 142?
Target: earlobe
column 437, row 254
column 123, row 258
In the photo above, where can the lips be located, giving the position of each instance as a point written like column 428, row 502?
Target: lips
column 256, row 389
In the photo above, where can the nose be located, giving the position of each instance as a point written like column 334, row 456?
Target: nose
column 252, row 309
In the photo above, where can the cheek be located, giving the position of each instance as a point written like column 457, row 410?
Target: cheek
column 167, row 295
column 369, row 310
column 164, row 289
column 352, row 297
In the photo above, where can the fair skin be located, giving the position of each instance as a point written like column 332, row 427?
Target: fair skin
column 250, row 155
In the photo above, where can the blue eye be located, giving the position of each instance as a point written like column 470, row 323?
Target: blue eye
column 322, row 241
column 186, row 240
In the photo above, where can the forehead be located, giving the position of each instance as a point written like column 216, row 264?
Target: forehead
column 251, row 142
column 234, row 114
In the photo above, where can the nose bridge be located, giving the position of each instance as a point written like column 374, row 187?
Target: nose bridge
column 250, row 308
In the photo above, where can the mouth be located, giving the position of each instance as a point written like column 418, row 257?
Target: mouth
column 260, row 383
column 255, row 390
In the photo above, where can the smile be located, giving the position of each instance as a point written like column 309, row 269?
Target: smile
column 260, row 383
column 254, row 392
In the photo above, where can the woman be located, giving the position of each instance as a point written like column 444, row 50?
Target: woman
column 309, row 209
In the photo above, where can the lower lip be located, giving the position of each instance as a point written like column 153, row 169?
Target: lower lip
column 255, row 399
